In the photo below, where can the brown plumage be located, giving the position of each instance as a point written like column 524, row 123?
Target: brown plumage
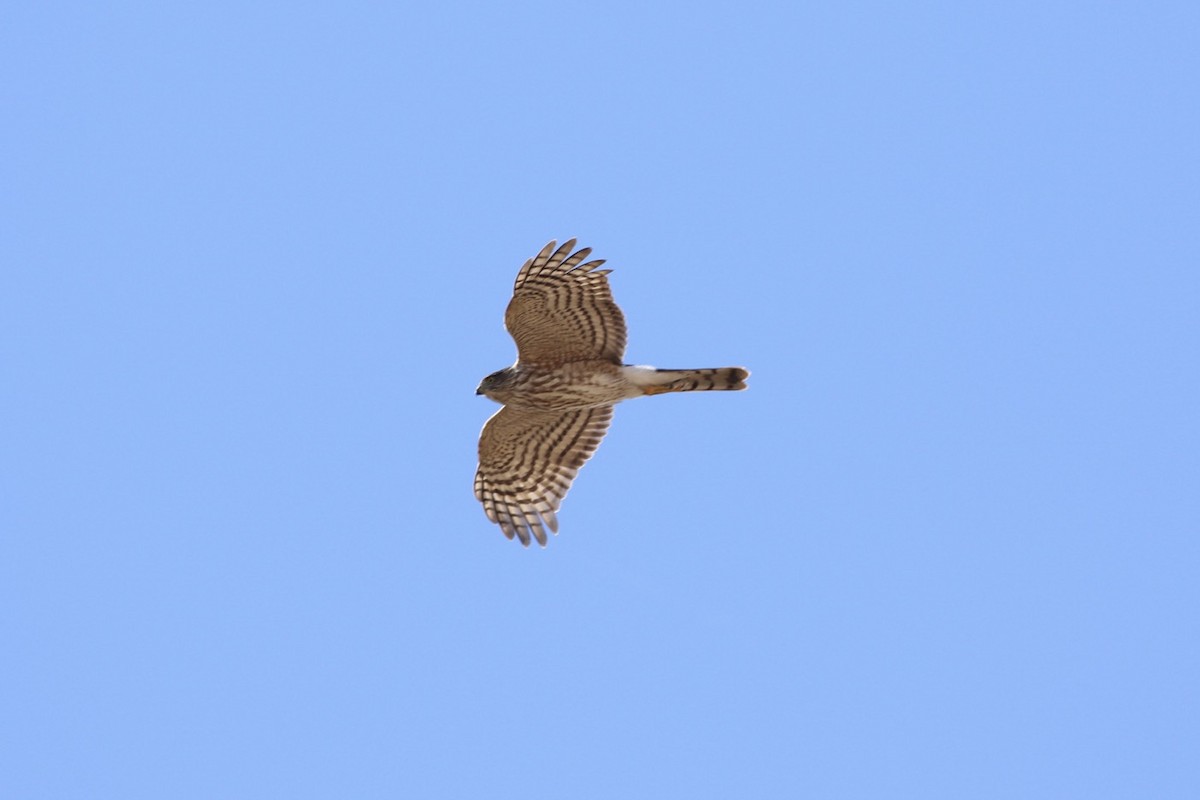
column 558, row 397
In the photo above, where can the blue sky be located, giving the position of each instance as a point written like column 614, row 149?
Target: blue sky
column 255, row 261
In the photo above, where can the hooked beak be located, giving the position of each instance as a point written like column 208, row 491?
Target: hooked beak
column 479, row 390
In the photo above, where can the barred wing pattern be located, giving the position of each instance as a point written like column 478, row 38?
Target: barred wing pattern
column 527, row 460
column 563, row 310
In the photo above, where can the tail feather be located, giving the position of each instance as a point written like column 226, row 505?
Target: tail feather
column 659, row 381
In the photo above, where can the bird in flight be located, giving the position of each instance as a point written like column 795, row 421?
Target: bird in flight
column 558, row 398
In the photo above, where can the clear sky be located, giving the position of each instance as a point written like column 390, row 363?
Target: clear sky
column 255, row 258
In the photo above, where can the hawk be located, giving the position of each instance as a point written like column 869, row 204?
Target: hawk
column 558, row 398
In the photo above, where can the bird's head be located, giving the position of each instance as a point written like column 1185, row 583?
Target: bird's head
column 498, row 381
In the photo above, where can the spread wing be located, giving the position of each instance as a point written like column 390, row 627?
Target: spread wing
column 562, row 309
column 527, row 460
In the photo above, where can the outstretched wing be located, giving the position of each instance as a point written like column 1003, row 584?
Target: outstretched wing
column 527, row 460
column 562, row 309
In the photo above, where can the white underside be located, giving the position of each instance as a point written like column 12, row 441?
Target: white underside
column 646, row 376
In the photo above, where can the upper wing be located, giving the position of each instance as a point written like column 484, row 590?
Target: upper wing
column 563, row 310
column 527, row 460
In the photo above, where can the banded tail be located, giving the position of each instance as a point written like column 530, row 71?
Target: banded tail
column 660, row 381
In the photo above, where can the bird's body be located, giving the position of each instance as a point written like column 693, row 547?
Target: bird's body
column 587, row 384
column 558, row 397
column 574, row 384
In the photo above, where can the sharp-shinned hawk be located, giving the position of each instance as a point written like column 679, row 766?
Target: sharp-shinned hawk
column 558, row 398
